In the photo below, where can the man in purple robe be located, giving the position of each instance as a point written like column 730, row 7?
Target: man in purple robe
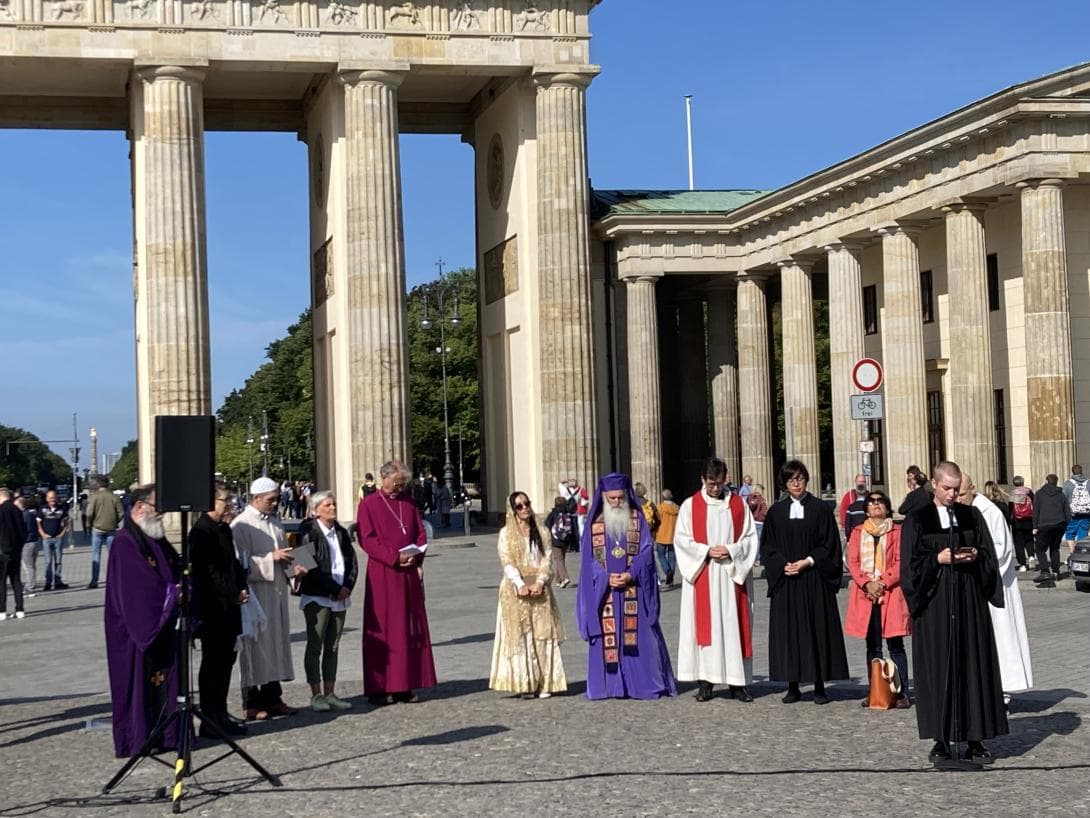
column 397, row 656
column 140, row 614
column 618, row 603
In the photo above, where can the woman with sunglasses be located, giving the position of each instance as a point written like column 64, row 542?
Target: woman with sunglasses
column 876, row 604
column 526, row 653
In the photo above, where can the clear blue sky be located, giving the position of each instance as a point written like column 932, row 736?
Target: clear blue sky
column 780, row 90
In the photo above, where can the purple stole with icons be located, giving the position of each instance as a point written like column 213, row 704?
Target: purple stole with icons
column 617, row 558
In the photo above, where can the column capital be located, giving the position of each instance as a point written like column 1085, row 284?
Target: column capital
column 836, row 246
column 756, row 276
column 1033, row 184
column 548, row 76
column 640, row 277
column 391, row 76
column 804, row 264
column 899, row 227
column 186, row 73
column 965, row 203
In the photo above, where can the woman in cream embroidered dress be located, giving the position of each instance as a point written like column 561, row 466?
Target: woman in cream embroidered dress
column 526, row 653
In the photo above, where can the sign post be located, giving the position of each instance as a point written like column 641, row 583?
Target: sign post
column 867, row 375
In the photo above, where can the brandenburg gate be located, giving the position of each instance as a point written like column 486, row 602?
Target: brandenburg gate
column 509, row 76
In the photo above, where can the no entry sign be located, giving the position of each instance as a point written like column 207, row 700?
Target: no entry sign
column 867, row 374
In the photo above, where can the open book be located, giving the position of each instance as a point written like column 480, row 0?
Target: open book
column 413, row 550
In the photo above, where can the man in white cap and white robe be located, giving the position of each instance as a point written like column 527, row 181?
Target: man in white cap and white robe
column 264, row 657
column 1008, row 622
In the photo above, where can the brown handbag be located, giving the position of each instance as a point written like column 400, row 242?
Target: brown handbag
column 885, row 684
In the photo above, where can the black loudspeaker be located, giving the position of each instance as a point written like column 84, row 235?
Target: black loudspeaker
column 185, row 462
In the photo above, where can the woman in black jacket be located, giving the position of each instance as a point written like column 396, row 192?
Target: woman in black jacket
column 326, row 589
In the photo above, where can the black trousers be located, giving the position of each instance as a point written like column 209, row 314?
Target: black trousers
column 214, row 678
column 1023, row 540
column 1048, row 546
column 262, row 697
column 11, row 566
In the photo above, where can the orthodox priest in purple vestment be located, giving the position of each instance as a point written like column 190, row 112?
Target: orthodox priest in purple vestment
column 397, row 655
column 141, row 610
column 618, row 603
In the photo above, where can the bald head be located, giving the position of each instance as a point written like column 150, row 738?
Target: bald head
column 946, row 481
column 967, row 491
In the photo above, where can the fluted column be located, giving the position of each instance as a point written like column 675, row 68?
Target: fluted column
column 1049, row 377
column 800, row 367
column 754, row 389
column 723, row 375
column 569, row 434
column 374, row 311
column 644, row 404
column 172, row 332
column 693, row 356
column 845, row 348
column 903, row 356
column 971, row 430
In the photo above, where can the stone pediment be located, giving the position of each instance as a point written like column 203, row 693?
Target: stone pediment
column 515, row 18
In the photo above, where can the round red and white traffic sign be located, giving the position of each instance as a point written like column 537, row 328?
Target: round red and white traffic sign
column 867, row 374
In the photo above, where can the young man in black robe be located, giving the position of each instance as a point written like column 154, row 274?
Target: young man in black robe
column 947, row 559
column 219, row 590
column 801, row 554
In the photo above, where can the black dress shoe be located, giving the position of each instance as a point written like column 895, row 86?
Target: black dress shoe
column 91, row 586
column 60, row 586
column 378, row 699
column 821, row 698
column 740, row 693
column 940, row 752
column 979, row 753
column 792, row 695
column 704, row 692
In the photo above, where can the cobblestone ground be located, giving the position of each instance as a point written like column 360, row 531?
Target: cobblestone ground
column 467, row 750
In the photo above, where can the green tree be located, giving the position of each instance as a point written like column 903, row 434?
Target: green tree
column 426, row 374
column 126, row 470
column 29, row 464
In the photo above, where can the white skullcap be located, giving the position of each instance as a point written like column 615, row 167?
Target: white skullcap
column 263, row 485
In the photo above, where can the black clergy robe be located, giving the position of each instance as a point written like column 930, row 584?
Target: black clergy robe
column 953, row 661
column 805, row 639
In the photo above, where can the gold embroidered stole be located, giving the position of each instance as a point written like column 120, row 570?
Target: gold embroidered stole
column 618, row 559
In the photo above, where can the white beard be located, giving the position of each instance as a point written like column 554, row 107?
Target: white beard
column 617, row 520
column 152, row 525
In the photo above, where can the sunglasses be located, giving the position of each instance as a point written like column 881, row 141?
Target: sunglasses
column 876, row 500
column 521, row 506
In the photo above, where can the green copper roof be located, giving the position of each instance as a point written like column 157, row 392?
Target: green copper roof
column 649, row 202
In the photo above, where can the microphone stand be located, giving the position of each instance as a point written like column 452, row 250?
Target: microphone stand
column 953, row 599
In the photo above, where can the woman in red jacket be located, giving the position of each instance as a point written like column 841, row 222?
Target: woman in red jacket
column 876, row 605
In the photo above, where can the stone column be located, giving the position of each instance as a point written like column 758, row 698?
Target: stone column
column 903, row 357
column 800, row 367
column 172, row 335
column 693, row 356
column 723, row 375
column 374, row 310
column 569, row 433
column 1049, row 377
column 644, row 404
column 754, row 389
column 845, row 348
column 971, row 431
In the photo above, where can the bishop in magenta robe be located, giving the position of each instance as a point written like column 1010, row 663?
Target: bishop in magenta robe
column 397, row 657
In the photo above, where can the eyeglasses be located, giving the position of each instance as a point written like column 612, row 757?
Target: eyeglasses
column 876, row 500
column 798, row 478
column 521, row 506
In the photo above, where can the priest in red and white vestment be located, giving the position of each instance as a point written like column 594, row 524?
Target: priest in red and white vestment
column 716, row 544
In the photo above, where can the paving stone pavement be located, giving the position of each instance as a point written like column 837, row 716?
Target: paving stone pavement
column 467, row 750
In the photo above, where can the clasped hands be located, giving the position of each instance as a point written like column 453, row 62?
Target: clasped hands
column 537, row 589
column 719, row 553
column 875, row 590
column 948, row 557
column 621, row 580
column 793, row 569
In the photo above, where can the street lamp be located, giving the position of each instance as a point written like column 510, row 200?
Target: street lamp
column 442, row 291
column 250, row 444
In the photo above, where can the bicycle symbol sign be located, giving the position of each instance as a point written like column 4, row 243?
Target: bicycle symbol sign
column 868, row 407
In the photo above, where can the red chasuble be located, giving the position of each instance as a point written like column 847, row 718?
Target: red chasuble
column 702, row 599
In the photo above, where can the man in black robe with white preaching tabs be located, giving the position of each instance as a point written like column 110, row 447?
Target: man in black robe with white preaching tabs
column 801, row 554
column 947, row 556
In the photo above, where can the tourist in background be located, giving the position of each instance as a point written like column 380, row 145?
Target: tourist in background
column 52, row 525
column 104, row 516
column 526, row 651
column 12, row 537
column 664, row 537
column 1021, row 516
column 877, row 608
column 1051, row 516
column 32, row 547
column 562, row 528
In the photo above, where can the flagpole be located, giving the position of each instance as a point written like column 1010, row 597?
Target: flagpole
column 689, row 130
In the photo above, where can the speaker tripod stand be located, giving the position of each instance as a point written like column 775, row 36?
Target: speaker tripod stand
column 186, row 710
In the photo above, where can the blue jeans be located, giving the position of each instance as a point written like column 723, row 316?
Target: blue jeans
column 53, row 551
column 667, row 559
column 98, row 539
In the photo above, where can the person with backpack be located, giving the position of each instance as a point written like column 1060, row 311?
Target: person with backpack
column 1077, row 492
column 561, row 525
column 1021, row 515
